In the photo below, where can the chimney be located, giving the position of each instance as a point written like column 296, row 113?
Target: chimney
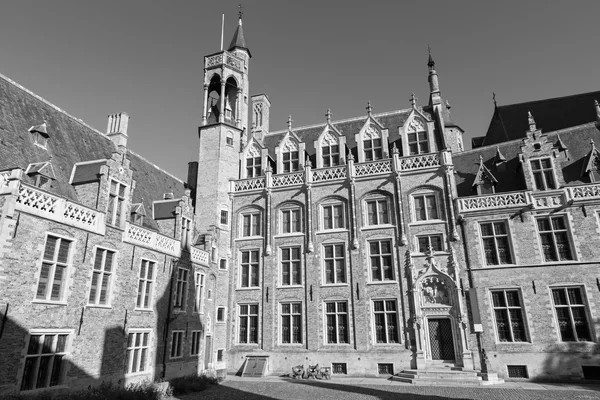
column 117, row 128
column 260, row 116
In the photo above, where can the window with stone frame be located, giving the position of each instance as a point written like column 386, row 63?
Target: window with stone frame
column 56, row 260
column 418, row 143
column 378, row 211
column 137, row 219
column 373, row 149
column 199, row 292
column 426, row 206
column 253, row 165
column 543, row 174
column 249, row 268
column 554, row 238
column 181, row 289
column 195, row 347
column 385, row 321
column 45, row 360
column 334, row 259
column 291, row 220
column 571, row 314
column 336, row 320
column 146, row 284
column 495, row 239
column 509, row 315
column 186, row 232
column 137, row 352
column 333, row 216
column 102, row 274
column 290, row 160
column 220, row 314
column 251, row 224
column 176, row 344
column 291, row 323
column 382, row 265
column 116, row 200
column 291, row 266
column 435, row 242
column 248, row 324
column 331, row 154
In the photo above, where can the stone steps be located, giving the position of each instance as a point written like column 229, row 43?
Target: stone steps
column 445, row 377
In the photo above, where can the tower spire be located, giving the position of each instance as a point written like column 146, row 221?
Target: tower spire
column 430, row 62
column 239, row 41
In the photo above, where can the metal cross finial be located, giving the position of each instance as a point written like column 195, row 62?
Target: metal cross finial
column 328, row 115
column 369, row 108
column 289, row 122
column 494, row 98
column 413, row 99
column 241, row 11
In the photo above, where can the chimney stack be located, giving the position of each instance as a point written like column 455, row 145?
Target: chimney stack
column 260, row 116
column 117, row 128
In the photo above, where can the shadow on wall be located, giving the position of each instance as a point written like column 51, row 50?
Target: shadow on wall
column 571, row 361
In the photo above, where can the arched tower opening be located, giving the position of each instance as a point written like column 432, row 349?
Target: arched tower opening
column 213, row 103
column 232, row 92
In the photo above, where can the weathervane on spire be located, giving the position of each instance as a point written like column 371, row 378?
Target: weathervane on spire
column 241, row 11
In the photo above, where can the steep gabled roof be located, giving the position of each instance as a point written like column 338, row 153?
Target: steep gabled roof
column 238, row 40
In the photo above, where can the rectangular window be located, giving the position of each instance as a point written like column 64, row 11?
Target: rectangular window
column 115, row 203
column 380, row 253
column 196, row 336
column 339, row 368
column 136, row 355
column 220, row 355
column 331, row 155
column 385, row 319
column 554, row 237
column 291, row 269
column 55, row 263
column 224, row 217
column 290, row 221
column 426, row 207
column 291, row 323
column 433, row 242
column 220, row 314
column 199, row 283
column 186, row 227
column 496, row 246
column 418, row 143
column 335, row 263
column 333, row 216
column 249, row 269
column 517, row 371
column 571, row 314
column 177, row 344
column 372, row 149
column 542, row 174
column 251, row 224
column 101, row 277
column 223, row 263
column 253, row 167
column 290, row 161
column 45, row 360
column 336, row 316
column 146, row 284
column 181, row 288
column 248, row 323
column 377, row 212
column 508, row 312
column 385, row 369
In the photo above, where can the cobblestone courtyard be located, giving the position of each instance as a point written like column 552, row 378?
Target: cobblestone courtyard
column 378, row 389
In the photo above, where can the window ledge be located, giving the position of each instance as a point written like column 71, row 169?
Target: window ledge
column 382, row 282
column 175, row 358
column 49, row 302
column 286, row 235
column 435, row 253
column 249, row 238
column 333, row 285
column 513, row 343
column 107, row 307
column 374, row 227
column 134, row 374
column 328, row 231
column 427, row 222
column 246, row 288
column 289, row 287
column 148, row 310
column 179, row 311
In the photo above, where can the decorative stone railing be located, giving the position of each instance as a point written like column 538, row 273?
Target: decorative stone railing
column 214, row 60
column 494, row 201
column 223, row 58
column 34, row 201
column 584, row 192
column 243, row 185
column 419, row 162
column 373, row 168
column 329, row 173
column 146, row 238
column 4, row 176
column 199, row 256
column 294, row 178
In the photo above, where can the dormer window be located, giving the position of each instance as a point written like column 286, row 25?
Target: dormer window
column 253, row 166
column 290, row 161
column 137, row 219
column 137, row 213
column 40, row 135
column 331, row 154
column 372, row 149
column 42, row 174
column 418, row 143
column 543, row 175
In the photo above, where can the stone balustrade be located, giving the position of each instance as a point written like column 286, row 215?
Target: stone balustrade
column 199, row 256
column 226, row 58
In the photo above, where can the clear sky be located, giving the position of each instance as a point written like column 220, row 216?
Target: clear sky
column 93, row 58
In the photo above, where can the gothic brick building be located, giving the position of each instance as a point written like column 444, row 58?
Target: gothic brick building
column 371, row 245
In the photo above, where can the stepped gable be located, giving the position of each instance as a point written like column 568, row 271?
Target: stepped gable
column 70, row 141
column 508, row 122
column 576, row 139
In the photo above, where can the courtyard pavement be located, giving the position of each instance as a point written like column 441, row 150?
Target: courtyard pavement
column 271, row 388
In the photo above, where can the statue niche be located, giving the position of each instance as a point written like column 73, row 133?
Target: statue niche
column 435, row 291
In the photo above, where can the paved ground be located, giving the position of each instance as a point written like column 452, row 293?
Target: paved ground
column 271, row 388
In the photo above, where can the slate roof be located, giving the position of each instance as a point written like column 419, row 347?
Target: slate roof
column 71, row 141
column 509, row 122
column 238, row 40
column 577, row 140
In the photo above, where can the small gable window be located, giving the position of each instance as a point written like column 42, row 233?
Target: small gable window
column 137, row 213
column 40, row 135
column 373, row 149
column 42, row 174
column 418, row 143
column 290, row 161
column 253, row 165
column 542, row 174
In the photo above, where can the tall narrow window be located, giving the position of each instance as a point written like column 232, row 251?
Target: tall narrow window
column 386, row 321
column 101, row 277
column 542, row 174
column 418, row 143
column 571, row 314
column 291, row 221
column 373, row 149
column 177, row 344
column 333, row 216
column 496, row 243
column 199, row 301
column 136, row 355
column 331, row 155
column 224, row 217
column 508, row 312
column 554, row 238
column 53, row 275
column 291, row 272
column 380, row 253
column 248, row 323
column 291, row 323
column 290, row 161
column 181, row 288
column 196, row 336
column 336, row 315
column 335, row 263
column 115, row 203
column 377, row 212
column 249, row 269
column 253, row 166
column 145, row 284
column 426, row 207
column 44, row 361
column 251, row 224
column 186, row 227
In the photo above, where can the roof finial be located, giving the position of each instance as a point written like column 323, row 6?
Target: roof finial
column 494, row 98
column 240, row 13
column 369, row 108
column 328, row 115
column 592, row 142
column 480, row 159
column 413, row 100
column 289, row 122
column 531, row 122
column 430, row 62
